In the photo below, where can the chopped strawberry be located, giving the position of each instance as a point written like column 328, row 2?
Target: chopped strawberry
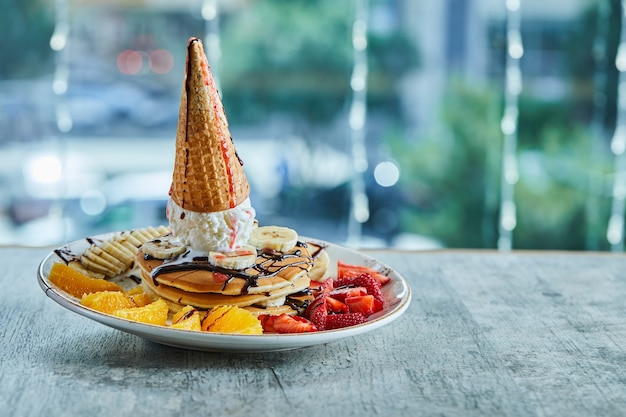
column 315, row 285
column 293, row 324
column 317, row 312
column 364, row 304
column 338, row 321
column 321, row 287
column 286, row 324
column 363, row 280
column 220, row 277
column 342, row 293
column 335, row 306
column 345, row 270
column 267, row 322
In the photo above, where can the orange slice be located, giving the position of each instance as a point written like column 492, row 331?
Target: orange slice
column 231, row 319
column 107, row 301
column 188, row 318
column 153, row 313
column 77, row 284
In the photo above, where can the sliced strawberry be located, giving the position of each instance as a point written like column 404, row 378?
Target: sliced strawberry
column 315, row 285
column 317, row 311
column 292, row 324
column 335, row 306
column 267, row 322
column 318, row 288
column 363, row 280
column 338, row 321
column 345, row 270
column 364, row 304
column 342, row 293
column 220, row 277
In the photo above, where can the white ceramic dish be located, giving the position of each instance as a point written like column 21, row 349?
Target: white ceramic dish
column 397, row 295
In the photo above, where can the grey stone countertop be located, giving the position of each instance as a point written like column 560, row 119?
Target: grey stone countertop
column 487, row 334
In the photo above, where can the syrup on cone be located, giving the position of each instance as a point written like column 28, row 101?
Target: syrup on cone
column 208, row 174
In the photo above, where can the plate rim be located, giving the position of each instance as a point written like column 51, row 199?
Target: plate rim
column 222, row 342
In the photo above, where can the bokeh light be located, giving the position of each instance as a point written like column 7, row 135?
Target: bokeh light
column 386, row 174
column 45, row 169
column 130, row 62
column 161, row 61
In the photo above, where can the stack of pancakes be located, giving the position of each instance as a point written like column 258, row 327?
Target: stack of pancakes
column 274, row 285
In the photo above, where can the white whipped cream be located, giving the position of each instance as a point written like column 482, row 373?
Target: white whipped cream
column 221, row 231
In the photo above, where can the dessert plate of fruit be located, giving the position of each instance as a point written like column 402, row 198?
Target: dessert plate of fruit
column 348, row 294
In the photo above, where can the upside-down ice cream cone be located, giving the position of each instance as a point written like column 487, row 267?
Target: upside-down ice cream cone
column 209, row 207
column 208, row 174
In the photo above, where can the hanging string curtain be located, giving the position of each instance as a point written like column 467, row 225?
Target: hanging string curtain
column 509, row 125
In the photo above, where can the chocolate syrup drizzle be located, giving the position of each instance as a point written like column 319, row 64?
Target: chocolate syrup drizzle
column 68, row 256
column 267, row 265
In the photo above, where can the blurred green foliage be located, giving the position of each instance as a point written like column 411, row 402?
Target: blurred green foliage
column 450, row 177
column 295, row 58
column 24, row 44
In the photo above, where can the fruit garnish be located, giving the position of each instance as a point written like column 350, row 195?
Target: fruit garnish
column 285, row 323
column 317, row 312
column 364, row 304
column 107, row 301
column 77, row 284
column 164, row 247
column 281, row 239
column 154, row 313
column 342, row 293
column 345, row 301
column 188, row 318
column 242, row 258
column 345, row 270
column 231, row 319
column 338, row 321
column 335, row 306
column 364, row 280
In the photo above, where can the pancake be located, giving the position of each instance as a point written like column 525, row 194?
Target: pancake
column 278, row 282
column 178, row 298
column 191, row 272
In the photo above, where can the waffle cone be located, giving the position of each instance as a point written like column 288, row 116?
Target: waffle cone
column 208, row 174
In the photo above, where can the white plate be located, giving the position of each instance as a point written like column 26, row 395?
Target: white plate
column 397, row 296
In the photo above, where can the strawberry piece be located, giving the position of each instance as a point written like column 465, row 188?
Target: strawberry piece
column 317, row 312
column 335, row 306
column 315, row 285
column 285, row 324
column 220, row 277
column 345, row 270
column 338, row 321
column 344, row 292
column 267, row 322
column 292, row 324
column 364, row 304
column 319, row 288
column 363, row 280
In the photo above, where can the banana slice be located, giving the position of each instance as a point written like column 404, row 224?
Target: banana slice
column 320, row 265
column 116, row 255
column 281, row 239
column 239, row 259
column 165, row 247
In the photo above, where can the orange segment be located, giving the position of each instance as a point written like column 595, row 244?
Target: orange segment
column 138, row 297
column 77, row 284
column 231, row 319
column 188, row 318
column 140, row 300
column 107, row 301
column 153, row 313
